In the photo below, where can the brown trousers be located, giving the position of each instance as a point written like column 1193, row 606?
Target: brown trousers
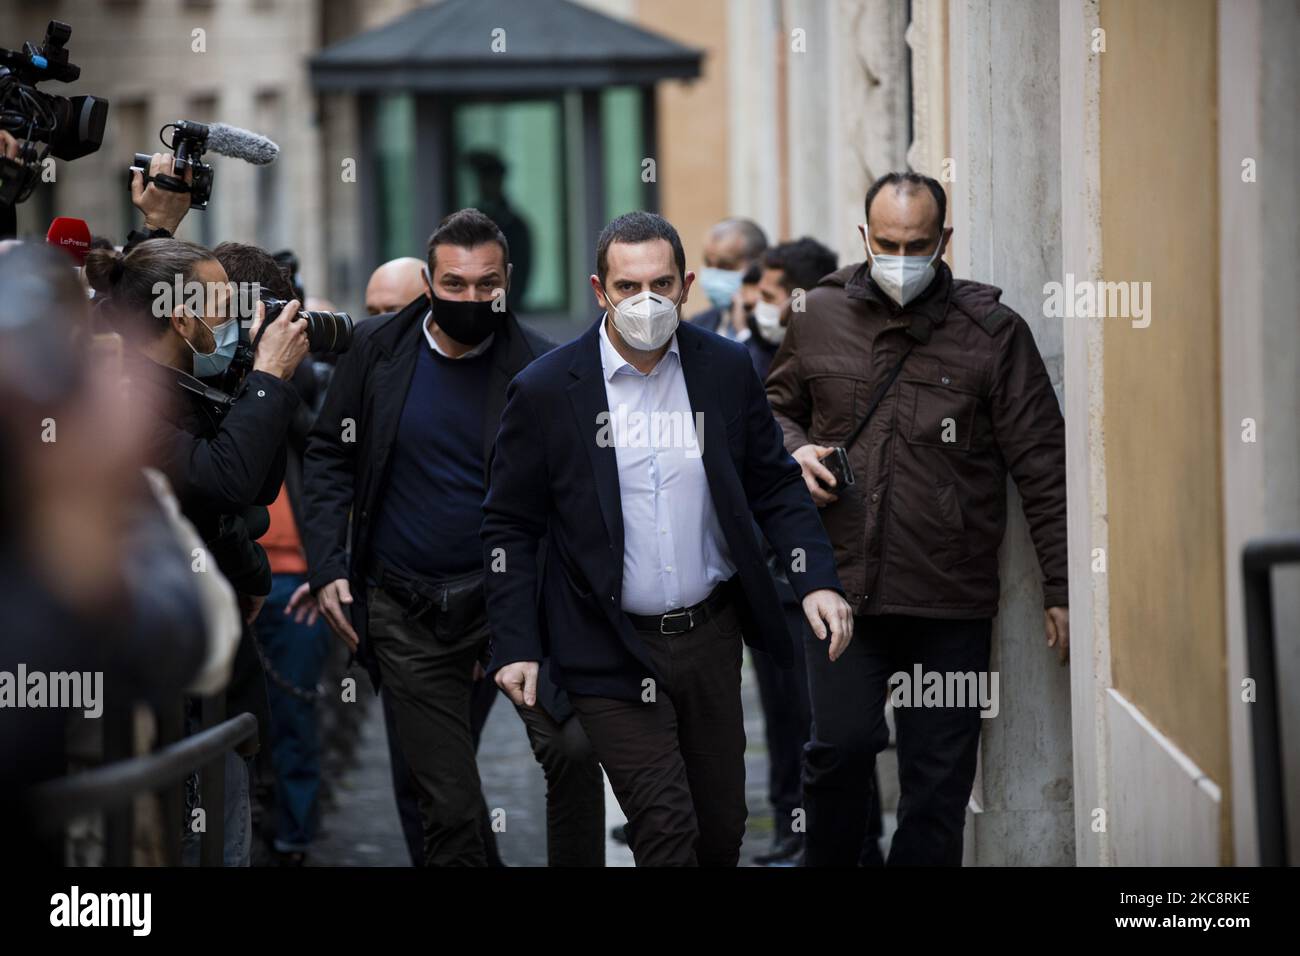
column 676, row 759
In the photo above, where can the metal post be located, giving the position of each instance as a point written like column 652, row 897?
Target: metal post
column 119, row 823
column 212, row 786
column 432, row 167
column 369, row 212
column 171, row 728
column 650, row 144
column 593, row 168
column 1257, row 560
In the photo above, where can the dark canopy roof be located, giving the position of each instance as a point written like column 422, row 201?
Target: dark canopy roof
column 549, row 44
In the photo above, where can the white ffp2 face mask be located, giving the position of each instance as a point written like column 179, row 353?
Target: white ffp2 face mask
column 902, row 278
column 645, row 320
column 767, row 316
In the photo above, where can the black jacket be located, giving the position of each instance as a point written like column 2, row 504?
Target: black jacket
column 345, row 479
column 553, row 474
column 225, row 469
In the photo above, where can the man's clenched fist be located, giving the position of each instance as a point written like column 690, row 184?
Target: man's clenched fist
column 519, row 681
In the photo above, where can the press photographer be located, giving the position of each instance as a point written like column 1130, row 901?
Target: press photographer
column 223, row 453
column 294, row 648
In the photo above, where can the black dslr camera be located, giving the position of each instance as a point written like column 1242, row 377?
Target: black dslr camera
column 327, row 332
column 70, row 127
column 188, row 141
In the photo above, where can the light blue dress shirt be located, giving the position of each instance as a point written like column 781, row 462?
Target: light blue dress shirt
column 674, row 552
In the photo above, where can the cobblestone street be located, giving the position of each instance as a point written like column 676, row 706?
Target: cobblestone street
column 361, row 829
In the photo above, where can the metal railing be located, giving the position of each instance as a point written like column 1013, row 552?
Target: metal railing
column 111, row 789
column 1258, row 558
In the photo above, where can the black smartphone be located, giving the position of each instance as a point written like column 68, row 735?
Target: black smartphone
column 837, row 463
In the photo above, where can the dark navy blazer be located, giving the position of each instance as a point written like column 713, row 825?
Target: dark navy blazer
column 549, row 473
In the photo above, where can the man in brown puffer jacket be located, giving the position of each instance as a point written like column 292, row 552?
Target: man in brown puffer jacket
column 961, row 398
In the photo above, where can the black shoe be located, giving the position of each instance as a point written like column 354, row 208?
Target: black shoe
column 787, row 850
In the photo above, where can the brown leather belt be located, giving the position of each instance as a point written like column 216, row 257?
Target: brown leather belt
column 683, row 619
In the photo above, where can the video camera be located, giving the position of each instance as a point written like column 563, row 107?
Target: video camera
column 188, row 141
column 70, row 127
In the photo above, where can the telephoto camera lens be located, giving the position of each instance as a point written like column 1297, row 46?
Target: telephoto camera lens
column 329, row 332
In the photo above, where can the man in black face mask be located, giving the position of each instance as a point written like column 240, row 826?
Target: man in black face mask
column 403, row 444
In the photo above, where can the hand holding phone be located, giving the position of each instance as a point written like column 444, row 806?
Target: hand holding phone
column 818, row 479
column 837, row 463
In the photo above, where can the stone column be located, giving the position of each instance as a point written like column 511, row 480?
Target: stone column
column 1006, row 214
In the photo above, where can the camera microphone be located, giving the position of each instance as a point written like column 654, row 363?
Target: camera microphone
column 241, row 144
column 70, row 235
column 188, row 142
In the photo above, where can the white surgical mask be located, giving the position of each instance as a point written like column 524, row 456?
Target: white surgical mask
column 902, row 278
column 767, row 316
column 645, row 320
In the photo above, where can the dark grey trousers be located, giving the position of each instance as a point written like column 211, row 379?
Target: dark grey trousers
column 427, row 672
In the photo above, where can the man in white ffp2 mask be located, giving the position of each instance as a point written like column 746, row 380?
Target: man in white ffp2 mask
column 789, row 271
column 651, row 446
column 908, row 397
column 645, row 320
column 902, row 255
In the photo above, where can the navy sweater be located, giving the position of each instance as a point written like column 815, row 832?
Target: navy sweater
column 432, row 506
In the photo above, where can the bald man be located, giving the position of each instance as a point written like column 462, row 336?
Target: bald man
column 394, row 285
column 961, row 399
